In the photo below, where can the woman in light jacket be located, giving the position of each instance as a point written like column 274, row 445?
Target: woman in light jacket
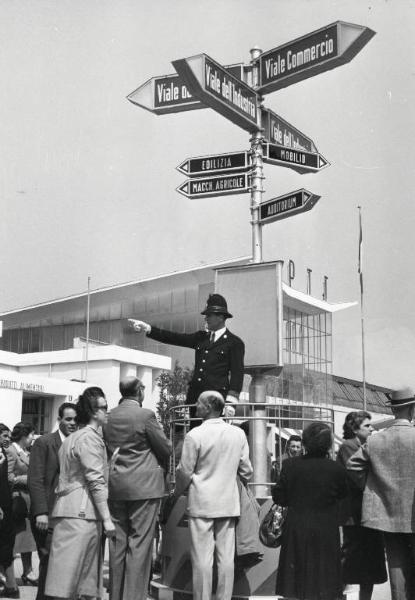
column 81, row 509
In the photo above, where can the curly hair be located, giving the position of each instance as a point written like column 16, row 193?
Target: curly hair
column 352, row 422
column 317, row 438
column 87, row 404
column 21, row 430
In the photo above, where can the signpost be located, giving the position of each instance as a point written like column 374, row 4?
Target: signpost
column 279, row 131
column 298, row 160
column 215, row 164
column 287, row 206
column 215, row 86
column 208, row 187
column 169, row 93
column 316, row 52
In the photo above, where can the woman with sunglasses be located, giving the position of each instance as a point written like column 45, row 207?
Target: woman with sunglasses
column 81, row 509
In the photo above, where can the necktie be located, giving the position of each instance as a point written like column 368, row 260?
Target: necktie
column 212, row 337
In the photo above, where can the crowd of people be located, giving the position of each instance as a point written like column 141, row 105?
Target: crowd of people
column 103, row 475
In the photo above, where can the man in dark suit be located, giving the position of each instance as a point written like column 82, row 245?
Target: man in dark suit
column 139, row 453
column 219, row 354
column 42, row 480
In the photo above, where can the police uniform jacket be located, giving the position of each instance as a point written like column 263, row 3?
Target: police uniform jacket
column 218, row 366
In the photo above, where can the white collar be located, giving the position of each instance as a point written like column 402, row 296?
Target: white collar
column 218, row 333
column 19, row 449
column 63, row 438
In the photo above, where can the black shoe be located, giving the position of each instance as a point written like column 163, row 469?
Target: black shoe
column 27, row 580
column 9, row 593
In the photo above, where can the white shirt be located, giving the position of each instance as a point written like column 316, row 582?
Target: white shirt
column 218, row 333
column 63, row 438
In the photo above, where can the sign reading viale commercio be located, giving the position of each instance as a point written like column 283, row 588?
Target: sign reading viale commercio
column 298, row 55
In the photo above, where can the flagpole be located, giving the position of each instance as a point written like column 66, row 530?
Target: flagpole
column 87, row 329
column 362, row 313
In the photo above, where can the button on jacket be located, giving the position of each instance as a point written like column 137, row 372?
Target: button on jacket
column 218, row 366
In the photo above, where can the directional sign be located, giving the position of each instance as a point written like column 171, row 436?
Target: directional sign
column 279, row 131
column 169, row 93
column 215, row 86
column 287, row 206
column 208, row 187
column 216, row 164
column 298, row 160
column 314, row 53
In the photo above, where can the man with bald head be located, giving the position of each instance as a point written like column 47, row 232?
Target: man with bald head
column 139, row 453
column 214, row 454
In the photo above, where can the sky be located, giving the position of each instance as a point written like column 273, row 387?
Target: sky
column 87, row 185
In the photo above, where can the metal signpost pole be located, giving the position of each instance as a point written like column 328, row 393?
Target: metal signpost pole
column 257, row 390
column 257, row 171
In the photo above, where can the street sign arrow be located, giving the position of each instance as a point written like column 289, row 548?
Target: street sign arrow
column 215, row 164
column 215, row 86
column 298, row 160
column 279, row 131
column 316, row 52
column 208, row 187
column 169, row 93
column 287, row 206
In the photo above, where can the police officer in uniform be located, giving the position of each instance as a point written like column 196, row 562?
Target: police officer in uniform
column 219, row 354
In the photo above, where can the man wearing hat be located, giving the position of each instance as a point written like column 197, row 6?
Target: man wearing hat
column 219, row 354
column 385, row 468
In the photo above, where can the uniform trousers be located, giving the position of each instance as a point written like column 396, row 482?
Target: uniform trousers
column 400, row 554
column 130, row 552
column 209, row 537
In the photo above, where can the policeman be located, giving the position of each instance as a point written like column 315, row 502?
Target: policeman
column 219, row 354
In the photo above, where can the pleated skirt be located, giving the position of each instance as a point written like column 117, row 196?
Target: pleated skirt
column 75, row 561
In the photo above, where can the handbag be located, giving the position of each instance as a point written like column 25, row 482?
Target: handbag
column 19, row 508
column 270, row 530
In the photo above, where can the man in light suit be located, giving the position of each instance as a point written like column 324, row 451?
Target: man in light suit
column 140, row 452
column 42, row 479
column 214, row 454
column 386, row 465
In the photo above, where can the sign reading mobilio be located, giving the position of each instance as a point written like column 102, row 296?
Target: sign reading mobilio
column 216, row 87
column 314, row 53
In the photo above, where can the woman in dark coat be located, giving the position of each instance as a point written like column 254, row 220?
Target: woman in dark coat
column 363, row 555
column 311, row 486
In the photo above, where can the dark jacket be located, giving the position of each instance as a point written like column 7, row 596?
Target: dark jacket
column 351, row 507
column 5, row 488
column 218, row 366
column 43, row 474
column 137, row 469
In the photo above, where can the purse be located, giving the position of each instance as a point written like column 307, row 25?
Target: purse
column 19, row 508
column 270, row 530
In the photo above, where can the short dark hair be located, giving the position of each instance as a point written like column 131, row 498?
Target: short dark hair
column 4, row 427
column 21, row 430
column 216, row 401
column 352, row 422
column 317, row 438
column 294, row 438
column 130, row 386
column 87, row 404
column 64, row 406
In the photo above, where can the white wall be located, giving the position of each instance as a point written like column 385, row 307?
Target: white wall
column 10, row 406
